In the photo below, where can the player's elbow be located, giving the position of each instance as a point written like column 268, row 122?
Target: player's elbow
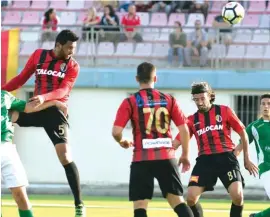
column 117, row 131
column 183, row 130
column 243, row 135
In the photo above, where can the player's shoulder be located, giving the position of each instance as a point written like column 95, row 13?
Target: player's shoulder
column 255, row 123
column 74, row 64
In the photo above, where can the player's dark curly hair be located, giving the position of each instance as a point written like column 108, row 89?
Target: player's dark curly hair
column 203, row 87
column 66, row 35
column 144, row 72
column 265, row 96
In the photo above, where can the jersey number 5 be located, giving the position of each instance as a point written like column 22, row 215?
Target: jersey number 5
column 157, row 114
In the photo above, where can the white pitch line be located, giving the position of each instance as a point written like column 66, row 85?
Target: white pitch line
column 119, row 207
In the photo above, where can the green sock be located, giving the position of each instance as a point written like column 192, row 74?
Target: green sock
column 26, row 213
column 264, row 213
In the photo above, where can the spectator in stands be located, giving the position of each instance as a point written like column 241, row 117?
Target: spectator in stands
column 124, row 5
column 50, row 25
column 200, row 6
column 111, row 20
column 89, row 21
column 130, row 21
column 197, row 44
column 162, row 6
column 177, row 41
column 225, row 30
column 143, row 6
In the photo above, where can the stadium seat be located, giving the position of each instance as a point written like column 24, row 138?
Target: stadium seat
column 120, row 16
column 21, row 4
column 217, row 51
column 164, row 35
column 265, row 21
column 27, row 48
column 37, row 4
column 124, row 49
column 160, row 50
column 235, row 52
column 75, row 4
column 158, row 19
column 210, row 19
column 48, row 45
column 31, row 17
column 59, row 5
column 254, row 52
column 143, row 50
column 30, row 34
column 251, row 20
column 150, row 34
column 217, row 6
column 243, row 36
column 256, row 7
column 193, row 17
column 268, row 9
column 88, row 4
column 80, row 18
column 86, row 48
column 12, row 17
column 68, row 18
column 176, row 17
column 261, row 37
column 105, row 49
column 144, row 18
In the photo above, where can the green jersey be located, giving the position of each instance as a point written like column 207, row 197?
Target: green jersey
column 9, row 102
column 259, row 132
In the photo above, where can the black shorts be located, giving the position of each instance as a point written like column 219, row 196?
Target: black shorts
column 142, row 174
column 209, row 168
column 51, row 119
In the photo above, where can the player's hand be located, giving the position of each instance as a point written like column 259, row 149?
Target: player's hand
column 62, row 107
column 124, row 143
column 37, row 100
column 175, row 144
column 185, row 163
column 252, row 168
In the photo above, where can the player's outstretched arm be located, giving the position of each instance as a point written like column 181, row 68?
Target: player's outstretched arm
column 20, row 79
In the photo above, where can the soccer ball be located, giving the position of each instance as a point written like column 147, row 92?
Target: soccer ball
column 233, row 13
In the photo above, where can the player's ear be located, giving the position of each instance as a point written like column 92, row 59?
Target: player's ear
column 155, row 78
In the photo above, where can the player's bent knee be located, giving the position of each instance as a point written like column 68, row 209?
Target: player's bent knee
column 174, row 200
column 20, row 196
column 238, row 199
column 63, row 153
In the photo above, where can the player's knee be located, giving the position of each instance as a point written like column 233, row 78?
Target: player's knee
column 140, row 204
column 21, row 198
column 238, row 199
column 191, row 199
column 64, row 159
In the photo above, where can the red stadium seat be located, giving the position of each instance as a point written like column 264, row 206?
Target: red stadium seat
column 193, row 17
column 12, row 17
column 176, row 17
column 59, row 5
column 75, row 4
column 144, row 18
column 251, row 20
column 261, row 37
column 31, row 17
column 42, row 5
column 21, row 4
column 217, row 6
column 210, row 19
column 158, row 19
column 256, row 7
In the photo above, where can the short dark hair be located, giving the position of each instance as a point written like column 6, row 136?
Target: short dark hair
column 203, row 87
column 265, row 96
column 144, row 72
column 66, row 35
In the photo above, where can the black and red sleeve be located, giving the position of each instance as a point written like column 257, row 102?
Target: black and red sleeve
column 177, row 114
column 234, row 121
column 123, row 114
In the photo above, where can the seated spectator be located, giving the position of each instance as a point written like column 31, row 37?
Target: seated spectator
column 130, row 21
column 143, row 6
column 124, row 5
column 50, row 25
column 162, row 6
column 177, row 41
column 200, row 6
column 197, row 45
column 89, row 21
column 111, row 20
column 225, row 30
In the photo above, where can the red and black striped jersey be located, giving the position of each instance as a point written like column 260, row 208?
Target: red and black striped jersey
column 151, row 112
column 212, row 129
column 54, row 77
